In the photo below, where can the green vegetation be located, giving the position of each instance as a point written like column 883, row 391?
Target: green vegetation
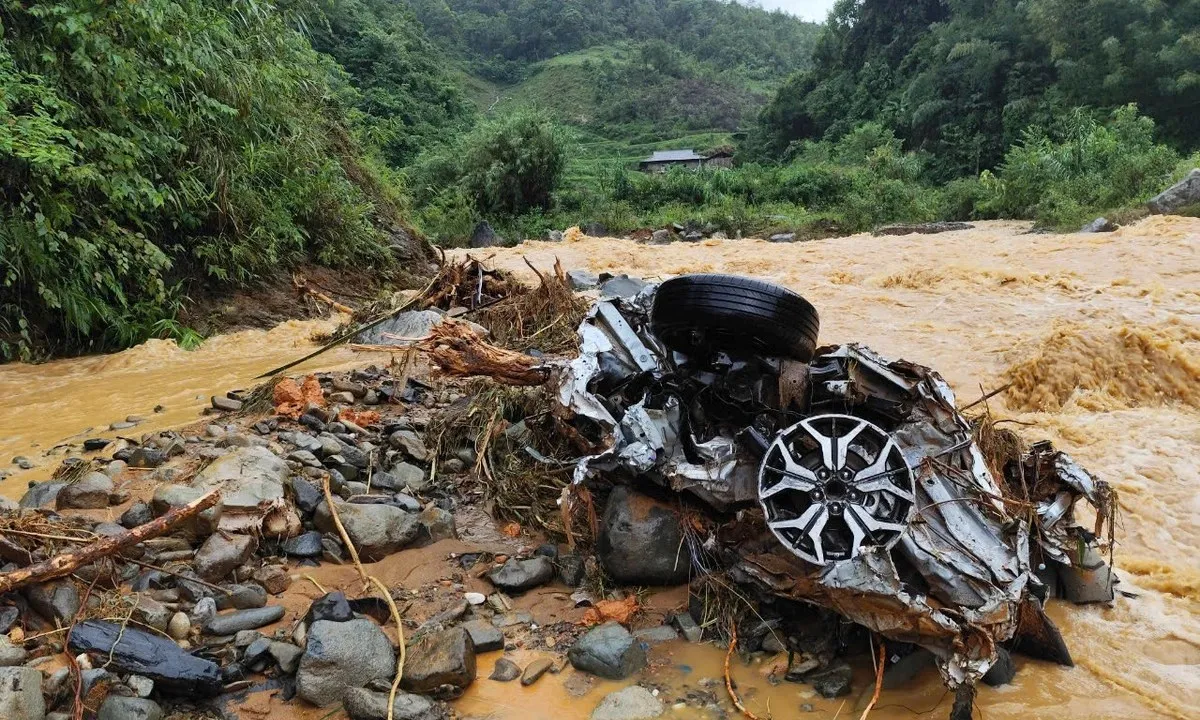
column 152, row 147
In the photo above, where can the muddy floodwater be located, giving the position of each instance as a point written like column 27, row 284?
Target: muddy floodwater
column 1099, row 336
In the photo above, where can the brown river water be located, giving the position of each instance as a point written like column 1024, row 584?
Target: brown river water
column 1099, row 335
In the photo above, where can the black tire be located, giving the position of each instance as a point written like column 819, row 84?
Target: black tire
column 738, row 315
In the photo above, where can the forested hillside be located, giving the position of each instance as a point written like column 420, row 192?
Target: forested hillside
column 962, row 80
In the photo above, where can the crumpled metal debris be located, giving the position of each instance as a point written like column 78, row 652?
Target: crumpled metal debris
column 941, row 559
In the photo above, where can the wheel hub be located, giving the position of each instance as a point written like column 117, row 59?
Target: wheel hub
column 832, row 486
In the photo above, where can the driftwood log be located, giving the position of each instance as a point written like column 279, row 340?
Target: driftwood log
column 458, row 350
column 68, row 562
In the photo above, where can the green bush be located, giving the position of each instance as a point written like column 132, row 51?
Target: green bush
column 1066, row 176
column 146, row 143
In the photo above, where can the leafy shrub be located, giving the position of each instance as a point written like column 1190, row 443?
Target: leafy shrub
column 1067, row 175
column 152, row 141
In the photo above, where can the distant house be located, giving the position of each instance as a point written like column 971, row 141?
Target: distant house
column 663, row 160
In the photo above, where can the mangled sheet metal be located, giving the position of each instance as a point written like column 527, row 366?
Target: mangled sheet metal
column 869, row 494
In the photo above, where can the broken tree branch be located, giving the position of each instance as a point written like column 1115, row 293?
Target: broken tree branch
column 878, row 679
column 68, row 562
column 737, row 701
column 458, row 350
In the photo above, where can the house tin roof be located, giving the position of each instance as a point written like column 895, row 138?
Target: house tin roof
column 673, row 156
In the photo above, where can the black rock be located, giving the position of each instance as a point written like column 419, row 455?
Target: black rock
column 139, row 513
column 129, row 650
column 486, row 636
column 8, row 616
column 833, row 681
column 594, row 229
column 521, row 575
column 57, row 600
column 146, row 458
column 571, row 569
column 95, row 444
column 312, row 422
column 1003, row 672
column 308, row 496
column 641, row 541
column 484, row 237
column 608, row 651
column 307, row 545
column 549, row 550
column 332, row 607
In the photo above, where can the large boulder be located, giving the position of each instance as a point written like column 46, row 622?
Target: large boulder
column 376, row 530
column 339, row 656
column 88, row 493
column 21, row 694
column 608, row 651
column 251, row 480
column 484, row 237
column 439, row 659
column 1177, row 197
column 641, row 541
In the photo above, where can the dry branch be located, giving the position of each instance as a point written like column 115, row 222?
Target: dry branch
column 68, row 562
column 458, row 350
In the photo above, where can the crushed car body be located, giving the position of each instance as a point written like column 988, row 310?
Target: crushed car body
column 851, row 481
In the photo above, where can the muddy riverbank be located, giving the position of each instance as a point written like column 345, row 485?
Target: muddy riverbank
column 1098, row 333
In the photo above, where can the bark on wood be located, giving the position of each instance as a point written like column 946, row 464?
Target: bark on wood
column 66, row 563
column 458, row 350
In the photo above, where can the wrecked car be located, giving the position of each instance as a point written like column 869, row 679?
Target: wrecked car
column 846, row 480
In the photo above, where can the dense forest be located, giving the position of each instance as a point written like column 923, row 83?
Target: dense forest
column 154, row 147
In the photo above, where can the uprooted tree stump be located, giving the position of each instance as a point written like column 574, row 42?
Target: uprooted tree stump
column 68, row 562
column 458, row 350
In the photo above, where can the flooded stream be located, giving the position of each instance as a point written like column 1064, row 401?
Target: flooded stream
column 1099, row 335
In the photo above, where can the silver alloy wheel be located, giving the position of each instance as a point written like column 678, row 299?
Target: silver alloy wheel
column 832, row 485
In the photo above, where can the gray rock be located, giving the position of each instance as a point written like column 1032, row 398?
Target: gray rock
column 694, row 236
column 248, row 477
column 582, row 280
column 57, row 600
column 657, row 635
column 641, row 541
column 608, row 651
column 505, row 670
column 115, row 468
column 409, row 477
column 1177, row 197
column 535, row 670
column 832, row 681
column 286, row 655
column 437, row 659
column 483, row 236
column 308, row 496
column 41, row 494
column 437, row 524
column 783, row 237
column 226, row 404
column 153, row 613
column 139, row 513
column 127, row 708
column 554, row 236
column 204, row 610
column 221, row 554
column 622, row 286
column 232, row 623
column 21, row 694
column 363, row 704
column 11, row 655
column 306, row 545
column 632, row 703
column 414, row 324
column 242, row 596
column 167, row 497
column 660, row 237
column 140, row 685
column 376, row 530
column 89, row 493
column 341, row 656
column 147, row 457
column 304, row 457
column 1099, row 225
column 485, row 636
column 521, row 575
column 411, row 443
column 8, row 616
